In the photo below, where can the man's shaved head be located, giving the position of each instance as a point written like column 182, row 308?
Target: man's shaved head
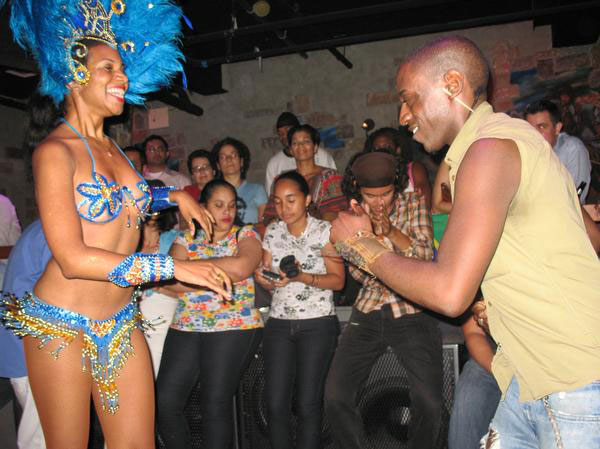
column 453, row 53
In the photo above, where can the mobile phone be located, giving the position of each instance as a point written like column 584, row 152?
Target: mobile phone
column 271, row 275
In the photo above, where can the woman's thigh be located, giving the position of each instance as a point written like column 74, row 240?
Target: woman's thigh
column 315, row 349
column 225, row 356
column 179, row 369
column 132, row 426
column 62, row 392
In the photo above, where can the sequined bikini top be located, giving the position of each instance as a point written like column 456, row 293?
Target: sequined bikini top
column 103, row 200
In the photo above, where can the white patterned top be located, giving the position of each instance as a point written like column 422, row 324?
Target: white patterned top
column 297, row 301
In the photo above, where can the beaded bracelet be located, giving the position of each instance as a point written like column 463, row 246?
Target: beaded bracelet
column 160, row 198
column 141, row 268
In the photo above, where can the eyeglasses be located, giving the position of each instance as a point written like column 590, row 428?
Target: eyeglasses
column 297, row 143
column 201, row 169
column 156, row 150
column 224, row 157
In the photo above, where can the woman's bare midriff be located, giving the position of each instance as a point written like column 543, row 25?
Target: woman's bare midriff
column 97, row 299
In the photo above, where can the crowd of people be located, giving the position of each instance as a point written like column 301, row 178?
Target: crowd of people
column 152, row 278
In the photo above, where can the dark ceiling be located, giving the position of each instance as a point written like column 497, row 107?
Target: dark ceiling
column 226, row 31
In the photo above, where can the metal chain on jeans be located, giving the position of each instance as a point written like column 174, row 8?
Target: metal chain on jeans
column 559, row 443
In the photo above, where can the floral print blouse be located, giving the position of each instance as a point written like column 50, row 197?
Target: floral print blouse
column 297, row 300
column 202, row 310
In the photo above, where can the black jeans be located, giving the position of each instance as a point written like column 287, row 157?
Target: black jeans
column 300, row 350
column 416, row 341
column 216, row 359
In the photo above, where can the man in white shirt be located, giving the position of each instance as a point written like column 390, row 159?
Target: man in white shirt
column 10, row 231
column 157, row 154
column 283, row 160
column 545, row 117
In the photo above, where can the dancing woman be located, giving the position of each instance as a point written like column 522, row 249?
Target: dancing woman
column 95, row 56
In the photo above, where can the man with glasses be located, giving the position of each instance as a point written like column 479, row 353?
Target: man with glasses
column 157, row 154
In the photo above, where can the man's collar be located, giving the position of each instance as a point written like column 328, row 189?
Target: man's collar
column 469, row 128
column 164, row 170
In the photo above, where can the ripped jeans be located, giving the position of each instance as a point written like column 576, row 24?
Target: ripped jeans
column 576, row 415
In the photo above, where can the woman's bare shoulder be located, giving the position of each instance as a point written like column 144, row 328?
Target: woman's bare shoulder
column 57, row 145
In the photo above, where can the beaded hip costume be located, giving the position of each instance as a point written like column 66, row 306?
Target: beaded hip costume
column 106, row 343
column 147, row 35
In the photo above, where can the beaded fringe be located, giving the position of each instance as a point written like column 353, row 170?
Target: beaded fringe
column 106, row 357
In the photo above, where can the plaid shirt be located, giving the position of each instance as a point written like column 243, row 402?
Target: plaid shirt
column 411, row 216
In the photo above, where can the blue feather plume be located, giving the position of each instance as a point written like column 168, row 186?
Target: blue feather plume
column 154, row 26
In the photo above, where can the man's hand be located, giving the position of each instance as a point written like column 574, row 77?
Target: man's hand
column 349, row 223
column 446, row 193
column 480, row 315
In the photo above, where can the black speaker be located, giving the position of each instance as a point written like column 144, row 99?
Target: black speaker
column 383, row 402
column 252, row 409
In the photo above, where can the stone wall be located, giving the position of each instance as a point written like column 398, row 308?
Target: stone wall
column 327, row 95
column 324, row 93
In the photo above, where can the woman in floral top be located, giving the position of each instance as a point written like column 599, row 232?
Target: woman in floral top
column 301, row 333
column 210, row 340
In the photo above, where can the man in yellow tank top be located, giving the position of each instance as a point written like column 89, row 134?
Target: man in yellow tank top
column 517, row 229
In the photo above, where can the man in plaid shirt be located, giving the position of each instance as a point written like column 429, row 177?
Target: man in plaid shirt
column 380, row 317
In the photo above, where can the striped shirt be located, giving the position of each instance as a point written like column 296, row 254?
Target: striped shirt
column 411, row 216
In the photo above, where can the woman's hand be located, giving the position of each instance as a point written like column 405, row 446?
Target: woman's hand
column 381, row 223
column 264, row 281
column 279, row 283
column 191, row 210
column 205, row 275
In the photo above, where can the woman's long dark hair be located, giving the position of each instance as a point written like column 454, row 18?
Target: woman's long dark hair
column 210, row 188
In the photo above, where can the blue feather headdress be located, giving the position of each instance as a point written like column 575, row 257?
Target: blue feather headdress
column 146, row 33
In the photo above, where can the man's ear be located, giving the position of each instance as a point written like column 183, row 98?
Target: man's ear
column 454, row 83
column 558, row 127
column 308, row 200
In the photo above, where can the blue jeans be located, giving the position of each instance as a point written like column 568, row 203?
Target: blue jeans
column 528, row 425
column 476, row 399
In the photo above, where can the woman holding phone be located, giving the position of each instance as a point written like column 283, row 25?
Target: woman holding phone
column 302, row 329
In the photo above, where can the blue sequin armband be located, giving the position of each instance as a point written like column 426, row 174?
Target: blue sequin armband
column 141, row 268
column 160, row 198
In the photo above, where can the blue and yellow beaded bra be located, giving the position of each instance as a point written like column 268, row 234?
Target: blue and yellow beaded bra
column 104, row 199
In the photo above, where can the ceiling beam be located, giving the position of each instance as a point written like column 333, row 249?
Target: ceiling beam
column 313, row 19
column 334, row 51
column 401, row 32
column 244, row 4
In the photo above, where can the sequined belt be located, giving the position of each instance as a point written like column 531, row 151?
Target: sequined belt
column 106, row 343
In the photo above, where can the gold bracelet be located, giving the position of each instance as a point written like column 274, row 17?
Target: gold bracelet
column 363, row 248
column 313, row 280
